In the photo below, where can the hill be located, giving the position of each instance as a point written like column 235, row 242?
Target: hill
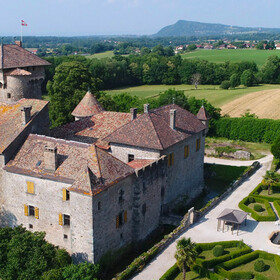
column 198, row 29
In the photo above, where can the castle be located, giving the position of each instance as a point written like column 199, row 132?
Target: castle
column 100, row 182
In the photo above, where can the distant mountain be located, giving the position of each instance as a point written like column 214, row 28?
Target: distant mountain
column 199, row 29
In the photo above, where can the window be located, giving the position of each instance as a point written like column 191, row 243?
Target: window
column 99, row 205
column 144, row 187
column 197, row 145
column 65, row 236
column 65, row 194
column 144, row 209
column 30, row 187
column 171, row 159
column 9, row 95
column 64, row 219
column 121, row 219
column 30, row 210
column 121, row 194
column 30, row 226
column 186, row 151
column 130, row 157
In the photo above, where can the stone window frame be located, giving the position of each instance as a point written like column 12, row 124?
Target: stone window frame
column 121, row 219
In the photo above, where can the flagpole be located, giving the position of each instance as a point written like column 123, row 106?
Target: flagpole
column 21, row 32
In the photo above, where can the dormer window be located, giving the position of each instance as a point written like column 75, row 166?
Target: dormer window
column 130, row 157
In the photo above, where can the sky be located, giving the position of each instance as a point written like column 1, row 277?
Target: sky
column 124, row 17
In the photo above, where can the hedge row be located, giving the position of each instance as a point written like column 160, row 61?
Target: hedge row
column 215, row 261
column 227, row 244
column 243, row 205
column 248, row 129
column 257, row 190
column 171, row 273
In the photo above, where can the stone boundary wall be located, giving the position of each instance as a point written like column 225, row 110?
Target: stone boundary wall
column 251, row 170
column 189, row 218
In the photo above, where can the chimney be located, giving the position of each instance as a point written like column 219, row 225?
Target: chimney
column 19, row 43
column 173, row 118
column 133, row 112
column 50, row 158
column 26, row 114
column 146, row 108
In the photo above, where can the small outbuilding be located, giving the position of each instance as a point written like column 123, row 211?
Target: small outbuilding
column 231, row 217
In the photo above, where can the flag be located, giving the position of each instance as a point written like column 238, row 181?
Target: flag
column 23, row 23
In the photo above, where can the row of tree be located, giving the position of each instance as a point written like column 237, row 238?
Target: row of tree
column 161, row 66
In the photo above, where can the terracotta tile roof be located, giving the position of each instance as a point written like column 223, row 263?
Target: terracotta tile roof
column 87, row 107
column 202, row 114
column 140, row 163
column 86, row 167
column 152, row 130
column 15, row 56
column 11, row 122
column 93, row 129
column 18, row 72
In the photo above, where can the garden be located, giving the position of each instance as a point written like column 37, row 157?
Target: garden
column 220, row 260
column 263, row 199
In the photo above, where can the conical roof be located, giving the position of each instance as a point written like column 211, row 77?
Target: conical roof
column 202, row 114
column 87, row 107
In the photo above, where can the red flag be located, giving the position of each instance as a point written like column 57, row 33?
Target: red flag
column 23, row 23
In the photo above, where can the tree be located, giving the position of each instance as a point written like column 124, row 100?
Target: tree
column 81, row 271
column 247, row 78
column 234, row 80
column 191, row 47
column 269, row 179
column 271, row 70
column 275, row 148
column 185, row 255
column 70, row 83
column 196, row 79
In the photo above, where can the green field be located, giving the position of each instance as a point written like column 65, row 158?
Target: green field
column 219, row 56
column 101, row 55
column 213, row 94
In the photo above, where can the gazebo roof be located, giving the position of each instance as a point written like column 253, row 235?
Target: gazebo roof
column 232, row 216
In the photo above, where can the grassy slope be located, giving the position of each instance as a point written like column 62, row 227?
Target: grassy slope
column 219, row 56
column 101, row 55
column 213, row 94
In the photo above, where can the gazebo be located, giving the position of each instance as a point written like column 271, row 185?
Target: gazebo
column 231, row 217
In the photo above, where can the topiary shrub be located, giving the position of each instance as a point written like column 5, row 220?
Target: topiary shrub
column 258, row 208
column 218, row 250
column 259, row 266
column 251, row 199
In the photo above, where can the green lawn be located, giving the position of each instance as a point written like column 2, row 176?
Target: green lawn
column 219, row 56
column 101, row 55
column 213, row 94
column 271, row 270
column 273, row 194
column 208, row 254
column 263, row 213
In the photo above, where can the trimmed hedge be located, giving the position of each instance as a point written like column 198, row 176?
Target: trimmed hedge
column 171, row 273
column 257, row 190
column 243, row 205
column 248, row 129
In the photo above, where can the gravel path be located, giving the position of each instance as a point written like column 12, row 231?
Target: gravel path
column 254, row 233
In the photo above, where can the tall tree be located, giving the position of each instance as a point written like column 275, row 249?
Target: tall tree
column 186, row 254
column 269, row 179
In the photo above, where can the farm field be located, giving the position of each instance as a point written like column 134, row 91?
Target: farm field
column 219, row 56
column 218, row 97
column 265, row 104
column 101, row 55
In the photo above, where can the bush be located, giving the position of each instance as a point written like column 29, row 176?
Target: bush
column 171, row 273
column 225, row 85
column 218, row 250
column 275, row 148
column 264, row 187
column 251, row 199
column 259, row 266
column 247, row 78
column 258, row 208
column 234, row 80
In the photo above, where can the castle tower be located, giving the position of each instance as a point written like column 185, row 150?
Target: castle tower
column 21, row 73
column 87, row 107
column 204, row 117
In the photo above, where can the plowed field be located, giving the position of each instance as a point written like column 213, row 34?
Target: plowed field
column 265, row 104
